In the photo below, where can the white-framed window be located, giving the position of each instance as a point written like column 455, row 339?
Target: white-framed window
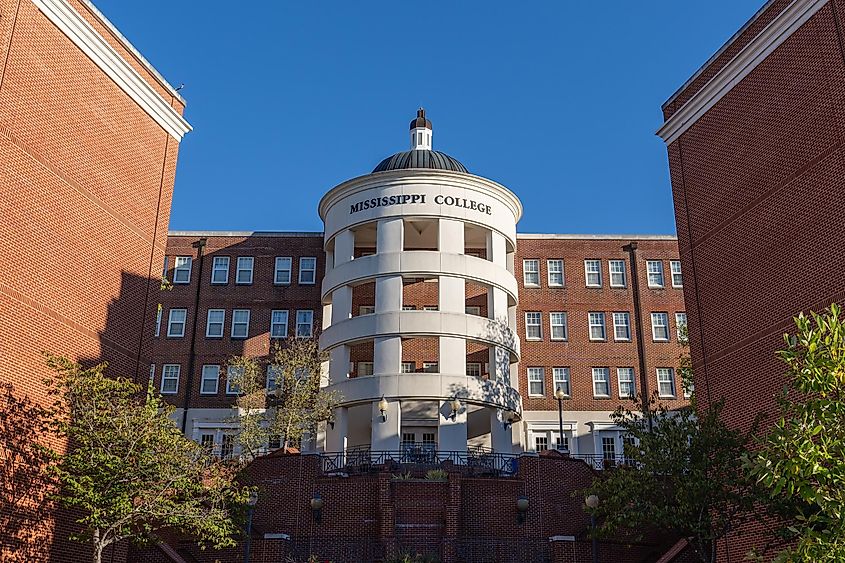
column 307, row 270
column 281, row 275
column 240, row 323
column 304, row 323
column 601, row 383
column 555, row 272
column 625, row 376
column 366, row 309
column 409, row 367
column 621, row 326
column 244, row 273
column 660, row 327
column 681, row 326
column 430, row 308
column 220, row 270
column 209, row 379
column 365, row 368
column 533, row 326
column 214, row 323
column 597, row 331
column 431, row 367
column 561, row 379
column 274, row 377
column 176, row 322
column 170, row 379
column 617, row 273
column 655, row 273
column 608, row 447
column 541, row 443
column 207, row 441
column 182, row 269
column 666, row 382
column 232, row 373
column 158, row 320
column 474, row 369
column 473, row 310
column 227, row 446
column 592, row 272
column 558, row 323
column 279, row 323
column 677, row 278
column 536, row 382
column 531, row 273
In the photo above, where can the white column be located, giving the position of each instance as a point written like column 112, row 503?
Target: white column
column 336, row 437
column 450, row 236
column 500, row 367
column 501, row 440
column 338, row 364
column 385, row 433
column 452, row 436
column 327, row 315
column 496, row 249
column 390, row 235
column 387, row 355
column 453, row 355
column 344, row 247
column 341, row 304
column 388, row 294
column 451, row 294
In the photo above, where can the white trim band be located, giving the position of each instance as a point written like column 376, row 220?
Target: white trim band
column 95, row 46
column 772, row 36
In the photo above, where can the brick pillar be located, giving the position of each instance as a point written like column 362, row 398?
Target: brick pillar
column 451, row 530
column 387, row 515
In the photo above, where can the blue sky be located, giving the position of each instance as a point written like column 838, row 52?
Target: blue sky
column 559, row 101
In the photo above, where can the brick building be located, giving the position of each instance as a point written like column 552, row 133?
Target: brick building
column 89, row 135
column 755, row 149
column 568, row 299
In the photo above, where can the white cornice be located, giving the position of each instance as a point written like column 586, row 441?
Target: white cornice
column 769, row 39
column 95, row 46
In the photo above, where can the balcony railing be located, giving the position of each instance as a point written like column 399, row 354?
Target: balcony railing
column 601, row 462
column 473, row 461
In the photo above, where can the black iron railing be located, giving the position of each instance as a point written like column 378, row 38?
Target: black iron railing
column 601, row 462
column 475, row 461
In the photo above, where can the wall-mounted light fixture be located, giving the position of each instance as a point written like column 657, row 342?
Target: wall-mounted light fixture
column 456, row 405
column 382, row 407
column 521, row 509
column 317, row 507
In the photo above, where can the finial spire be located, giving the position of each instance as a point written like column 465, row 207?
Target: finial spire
column 421, row 132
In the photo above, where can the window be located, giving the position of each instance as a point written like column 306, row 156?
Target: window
column 666, row 382
column 608, row 447
column 536, row 381
column 409, row 367
column 531, row 273
column 227, row 448
column 408, row 438
column 366, row 309
column 408, row 308
column 561, row 379
column 541, row 443
column 473, row 310
column 430, row 308
column 282, row 273
column 621, row 326
column 210, row 376
column 626, row 381
column 274, row 377
column 220, row 270
column 170, row 378
column 431, row 367
column 660, row 327
column 597, row 326
column 533, row 330
column 558, row 323
column 474, row 369
column 365, row 368
column 233, row 373
column 428, row 439
column 214, row 323
column 655, row 273
column 564, row 445
column 240, row 323
column 304, row 324
column 617, row 273
column 601, row 385
column 279, row 324
column 592, row 272
column 677, row 278
column 555, row 268
column 182, row 269
column 176, row 322
column 158, row 320
column 207, row 441
column 244, row 274
column 307, row 270
column 681, row 326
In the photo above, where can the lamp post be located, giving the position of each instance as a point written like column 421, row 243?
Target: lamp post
column 382, row 407
column 592, row 502
column 456, row 405
column 251, row 502
column 559, row 395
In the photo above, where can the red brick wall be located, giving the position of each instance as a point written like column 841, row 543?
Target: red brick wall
column 87, row 179
column 757, row 188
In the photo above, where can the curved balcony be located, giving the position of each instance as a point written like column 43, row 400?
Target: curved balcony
column 421, row 263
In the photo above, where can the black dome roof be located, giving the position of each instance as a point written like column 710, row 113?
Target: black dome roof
column 417, row 158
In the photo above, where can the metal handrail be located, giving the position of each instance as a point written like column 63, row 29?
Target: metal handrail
column 480, row 461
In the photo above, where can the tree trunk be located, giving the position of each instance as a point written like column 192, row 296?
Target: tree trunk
column 98, row 547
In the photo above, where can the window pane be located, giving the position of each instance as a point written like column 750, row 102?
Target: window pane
column 531, row 272
column 536, row 381
column 592, row 271
column 220, row 270
column 279, row 324
column 655, row 273
column 601, row 387
column 596, row 326
column 617, row 273
column 621, row 326
column 558, row 323
column 555, row 268
column 283, row 266
column 561, row 379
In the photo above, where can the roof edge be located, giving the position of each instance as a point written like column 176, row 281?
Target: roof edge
column 291, row 234
column 598, row 236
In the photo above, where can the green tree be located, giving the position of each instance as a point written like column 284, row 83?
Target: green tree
column 295, row 405
column 683, row 474
column 128, row 470
column 801, row 462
